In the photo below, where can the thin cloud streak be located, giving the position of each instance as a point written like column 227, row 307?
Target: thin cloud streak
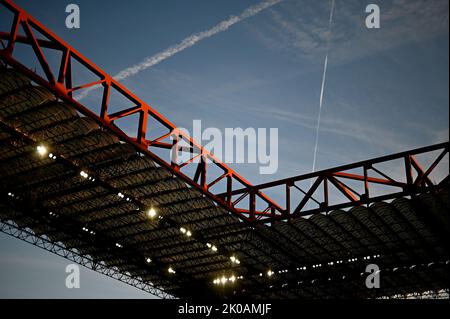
column 187, row 43
column 324, row 75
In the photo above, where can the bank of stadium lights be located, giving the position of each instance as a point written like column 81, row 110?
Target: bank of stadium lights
column 52, row 214
column 185, row 231
column 224, row 280
column 211, row 246
column 270, row 273
column 52, row 156
column 122, row 196
column 234, row 260
column 90, row 231
column 368, row 257
column 171, row 270
column 119, row 245
column 86, row 176
column 42, row 150
column 151, row 213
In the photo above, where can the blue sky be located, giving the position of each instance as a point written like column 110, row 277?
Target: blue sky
column 386, row 89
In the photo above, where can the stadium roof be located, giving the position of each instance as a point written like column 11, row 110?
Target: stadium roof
column 65, row 178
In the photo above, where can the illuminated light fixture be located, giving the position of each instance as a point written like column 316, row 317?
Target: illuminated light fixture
column 270, row 273
column 216, row 281
column 120, row 195
column 260, row 274
column 232, row 279
column 148, row 260
column 188, row 233
column 233, row 259
column 42, row 150
column 183, row 230
column 52, row 156
column 84, row 174
column 119, row 245
column 208, row 245
column 213, row 248
column 92, row 232
column 170, row 270
column 223, row 280
column 151, row 213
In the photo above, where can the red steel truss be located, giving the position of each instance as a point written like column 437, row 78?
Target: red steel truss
column 203, row 170
column 352, row 189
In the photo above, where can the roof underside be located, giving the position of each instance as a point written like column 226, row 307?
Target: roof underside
column 409, row 235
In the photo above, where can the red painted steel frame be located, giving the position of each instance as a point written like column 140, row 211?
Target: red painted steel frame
column 414, row 180
column 260, row 208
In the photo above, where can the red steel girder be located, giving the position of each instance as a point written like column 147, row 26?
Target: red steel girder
column 414, row 180
column 60, row 82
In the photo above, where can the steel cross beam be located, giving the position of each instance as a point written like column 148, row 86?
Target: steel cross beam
column 209, row 170
column 13, row 230
column 202, row 170
column 356, row 189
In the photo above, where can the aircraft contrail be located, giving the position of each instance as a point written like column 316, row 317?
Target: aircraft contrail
column 325, row 65
column 186, row 43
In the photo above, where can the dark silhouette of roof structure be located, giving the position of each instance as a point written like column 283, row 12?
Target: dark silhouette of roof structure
column 323, row 256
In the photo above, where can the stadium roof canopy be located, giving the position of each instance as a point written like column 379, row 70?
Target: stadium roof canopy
column 67, row 180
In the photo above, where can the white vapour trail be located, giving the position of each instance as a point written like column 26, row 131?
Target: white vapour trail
column 187, row 43
column 324, row 75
